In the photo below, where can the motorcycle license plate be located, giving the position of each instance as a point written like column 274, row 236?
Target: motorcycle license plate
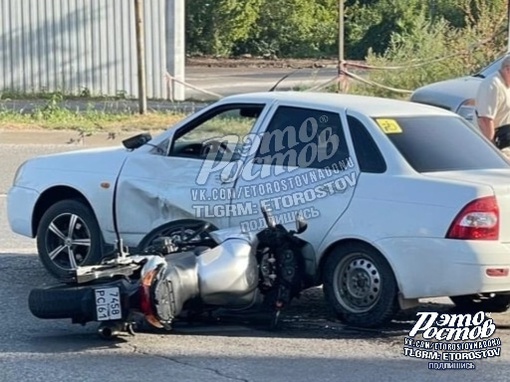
column 108, row 304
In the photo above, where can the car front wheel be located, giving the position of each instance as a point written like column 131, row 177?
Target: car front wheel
column 360, row 286
column 68, row 236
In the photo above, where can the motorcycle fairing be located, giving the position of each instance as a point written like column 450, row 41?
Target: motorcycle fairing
column 225, row 275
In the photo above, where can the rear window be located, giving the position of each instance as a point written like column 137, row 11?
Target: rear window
column 440, row 143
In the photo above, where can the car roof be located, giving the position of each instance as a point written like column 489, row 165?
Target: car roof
column 368, row 105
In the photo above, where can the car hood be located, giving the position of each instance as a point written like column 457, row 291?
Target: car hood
column 97, row 160
column 448, row 94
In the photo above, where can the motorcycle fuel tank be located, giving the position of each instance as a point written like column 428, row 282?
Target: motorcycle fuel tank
column 228, row 274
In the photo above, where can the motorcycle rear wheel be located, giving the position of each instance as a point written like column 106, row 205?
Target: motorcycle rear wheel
column 57, row 302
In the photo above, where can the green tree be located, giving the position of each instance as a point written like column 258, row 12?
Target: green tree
column 447, row 51
column 215, row 26
column 304, row 28
column 370, row 24
column 293, row 28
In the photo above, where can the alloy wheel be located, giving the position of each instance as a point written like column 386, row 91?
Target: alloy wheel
column 68, row 241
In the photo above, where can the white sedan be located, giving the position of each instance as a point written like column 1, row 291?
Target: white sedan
column 404, row 201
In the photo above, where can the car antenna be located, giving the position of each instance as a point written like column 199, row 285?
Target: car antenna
column 281, row 79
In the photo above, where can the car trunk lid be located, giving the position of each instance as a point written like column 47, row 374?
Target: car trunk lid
column 498, row 180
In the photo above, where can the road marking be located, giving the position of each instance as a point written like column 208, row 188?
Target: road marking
column 3, row 195
column 18, row 251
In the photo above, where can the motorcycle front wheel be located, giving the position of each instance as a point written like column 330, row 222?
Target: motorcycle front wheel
column 178, row 231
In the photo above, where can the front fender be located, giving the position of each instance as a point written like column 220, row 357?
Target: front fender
column 92, row 176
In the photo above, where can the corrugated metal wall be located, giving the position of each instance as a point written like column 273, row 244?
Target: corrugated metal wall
column 73, row 45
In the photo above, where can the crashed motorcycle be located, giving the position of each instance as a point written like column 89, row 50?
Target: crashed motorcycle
column 240, row 271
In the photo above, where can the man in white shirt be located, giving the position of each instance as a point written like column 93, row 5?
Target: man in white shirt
column 493, row 105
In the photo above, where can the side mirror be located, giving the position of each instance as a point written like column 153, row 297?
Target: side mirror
column 301, row 224
column 136, row 141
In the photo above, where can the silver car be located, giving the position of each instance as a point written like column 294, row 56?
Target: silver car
column 457, row 94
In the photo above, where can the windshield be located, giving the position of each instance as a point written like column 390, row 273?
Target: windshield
column 441, row 143
column 488, row 70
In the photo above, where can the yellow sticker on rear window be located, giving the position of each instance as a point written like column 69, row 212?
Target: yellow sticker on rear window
column 389, row 126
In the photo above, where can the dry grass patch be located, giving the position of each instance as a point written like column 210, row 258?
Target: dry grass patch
column 88, row 121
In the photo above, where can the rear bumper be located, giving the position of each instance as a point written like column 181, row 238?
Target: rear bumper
column 20, row 207
column 427, row 267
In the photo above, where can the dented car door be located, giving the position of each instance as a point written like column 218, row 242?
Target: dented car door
column 155, row 189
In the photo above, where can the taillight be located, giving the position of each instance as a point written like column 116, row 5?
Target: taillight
column 478, row 220
column 145, row 299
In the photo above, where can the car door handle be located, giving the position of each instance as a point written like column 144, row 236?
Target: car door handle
column 223, row 178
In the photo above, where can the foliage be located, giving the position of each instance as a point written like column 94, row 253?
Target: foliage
column 370, row 26
column 447, row 51
column 295, row 27
column 300, row 28
column 214, row 26
column 304, row 28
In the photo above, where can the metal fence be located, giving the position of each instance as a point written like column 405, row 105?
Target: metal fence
column 85, row 46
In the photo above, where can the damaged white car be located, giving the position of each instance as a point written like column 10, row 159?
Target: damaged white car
column 404, row 201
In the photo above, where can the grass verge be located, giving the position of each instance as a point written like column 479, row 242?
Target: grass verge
column 90, row 122
column 53, row 116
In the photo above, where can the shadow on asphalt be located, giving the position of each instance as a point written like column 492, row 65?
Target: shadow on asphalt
column 308, row 317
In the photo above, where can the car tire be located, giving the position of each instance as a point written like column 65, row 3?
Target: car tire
column 495, row 303
column 68, row 235
column 360, row 287
column 171, row 229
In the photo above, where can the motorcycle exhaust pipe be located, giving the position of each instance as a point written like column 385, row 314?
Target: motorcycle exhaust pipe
column 110, row 331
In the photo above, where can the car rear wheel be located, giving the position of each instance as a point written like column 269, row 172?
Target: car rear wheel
column 68, row 236
column 490, row 302
column 360, row 286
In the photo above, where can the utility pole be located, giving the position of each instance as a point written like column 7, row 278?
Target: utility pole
column 140, row 52
column 508, row 22
column 341, row 65
column 176, row 48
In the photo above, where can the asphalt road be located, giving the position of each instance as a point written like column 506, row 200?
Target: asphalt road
column 216, row 82
column 311, row 347
column 228, row 81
